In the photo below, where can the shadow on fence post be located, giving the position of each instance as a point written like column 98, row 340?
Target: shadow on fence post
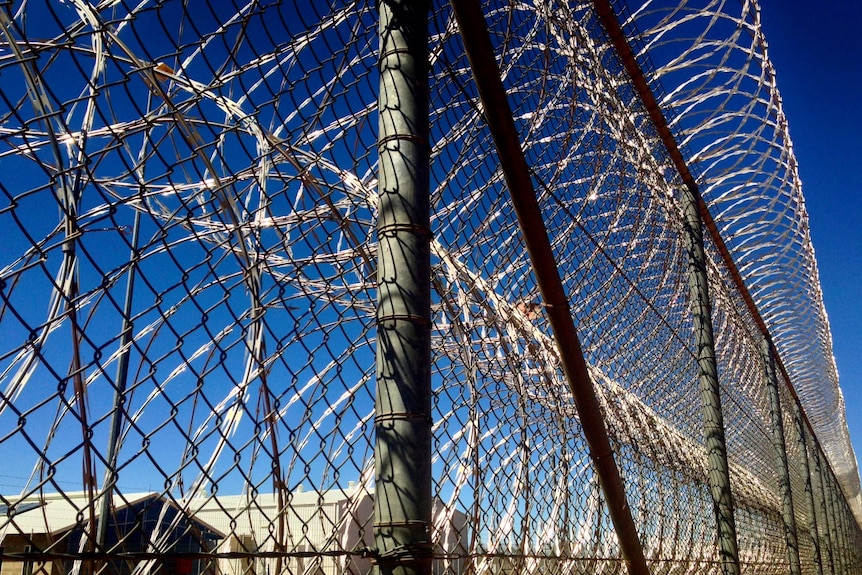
column 402, row 503
column 710, row 391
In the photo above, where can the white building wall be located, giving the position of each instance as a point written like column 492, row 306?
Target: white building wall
column 333, row 521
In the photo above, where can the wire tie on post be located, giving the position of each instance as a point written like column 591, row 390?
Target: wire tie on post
column 391, row 229
column 382, row 141
column 403, row 416
column 404, row 316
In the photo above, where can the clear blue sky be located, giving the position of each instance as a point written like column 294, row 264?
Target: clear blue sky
column 815, row 47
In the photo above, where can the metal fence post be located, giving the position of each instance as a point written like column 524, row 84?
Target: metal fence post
column 822, row 500
column 402, row 506
column 841, row 516
column 787, row 515
column 811, row 508
column 849, row 540
column 498, row 114
column 710, row 396
column 855, row 541
column 835, row 525
column 719, row 474
column 119, row 395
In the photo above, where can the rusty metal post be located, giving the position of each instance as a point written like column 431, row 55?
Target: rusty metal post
column 402, row 502
column 788, row 517
column 498, row 114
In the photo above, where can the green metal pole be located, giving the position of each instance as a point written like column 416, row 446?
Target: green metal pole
column 811, row 508
column 713, row 419
column 844, row 530
column 835, row 525
column 119, row 394
column 402, row 505
column 855, row 543
column 787, row 515
column 852, row 549
column 847, row 520
column 852, row 541
column 840, row 565
column 822, row 505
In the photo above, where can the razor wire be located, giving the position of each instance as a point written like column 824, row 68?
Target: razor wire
column 712, row 60
column 188, row 283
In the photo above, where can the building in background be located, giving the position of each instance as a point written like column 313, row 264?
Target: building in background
column 328, row 532
column 144, row 523
column 322, row 533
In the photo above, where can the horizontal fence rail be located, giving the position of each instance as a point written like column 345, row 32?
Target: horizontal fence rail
column 265, row 309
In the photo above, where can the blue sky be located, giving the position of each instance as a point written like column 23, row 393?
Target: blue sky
column 815, row 48
column 815, row 52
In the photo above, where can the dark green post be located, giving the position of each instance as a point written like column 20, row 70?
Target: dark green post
column 787, row 515
column 811, row 507
column 849, row 525
column 822, row 506
column 713, row 420
column 835, row 516
column 120, row 384
column 402, row 505
column 844, row 529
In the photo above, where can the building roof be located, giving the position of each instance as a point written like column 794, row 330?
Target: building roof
column 54, row 513
column 313, row 517
column 18, row 509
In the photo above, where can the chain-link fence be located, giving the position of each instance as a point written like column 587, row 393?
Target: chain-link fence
column 189, row 282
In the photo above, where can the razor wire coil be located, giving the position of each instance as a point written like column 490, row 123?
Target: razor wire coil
column 188, row 285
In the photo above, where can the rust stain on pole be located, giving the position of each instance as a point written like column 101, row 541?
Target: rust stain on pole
column 498, row 115
column 611, row 23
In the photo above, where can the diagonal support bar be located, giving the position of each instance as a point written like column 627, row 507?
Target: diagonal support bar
column 498, row 114
column 609, row 21
column 696, row 216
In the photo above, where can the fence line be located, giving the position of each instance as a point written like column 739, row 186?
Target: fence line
column 193, row 214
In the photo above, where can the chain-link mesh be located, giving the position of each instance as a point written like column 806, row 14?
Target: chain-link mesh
column 188, row 282
column 712, row 60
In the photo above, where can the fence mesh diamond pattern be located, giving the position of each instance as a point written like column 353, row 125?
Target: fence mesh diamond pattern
column 188, row 274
